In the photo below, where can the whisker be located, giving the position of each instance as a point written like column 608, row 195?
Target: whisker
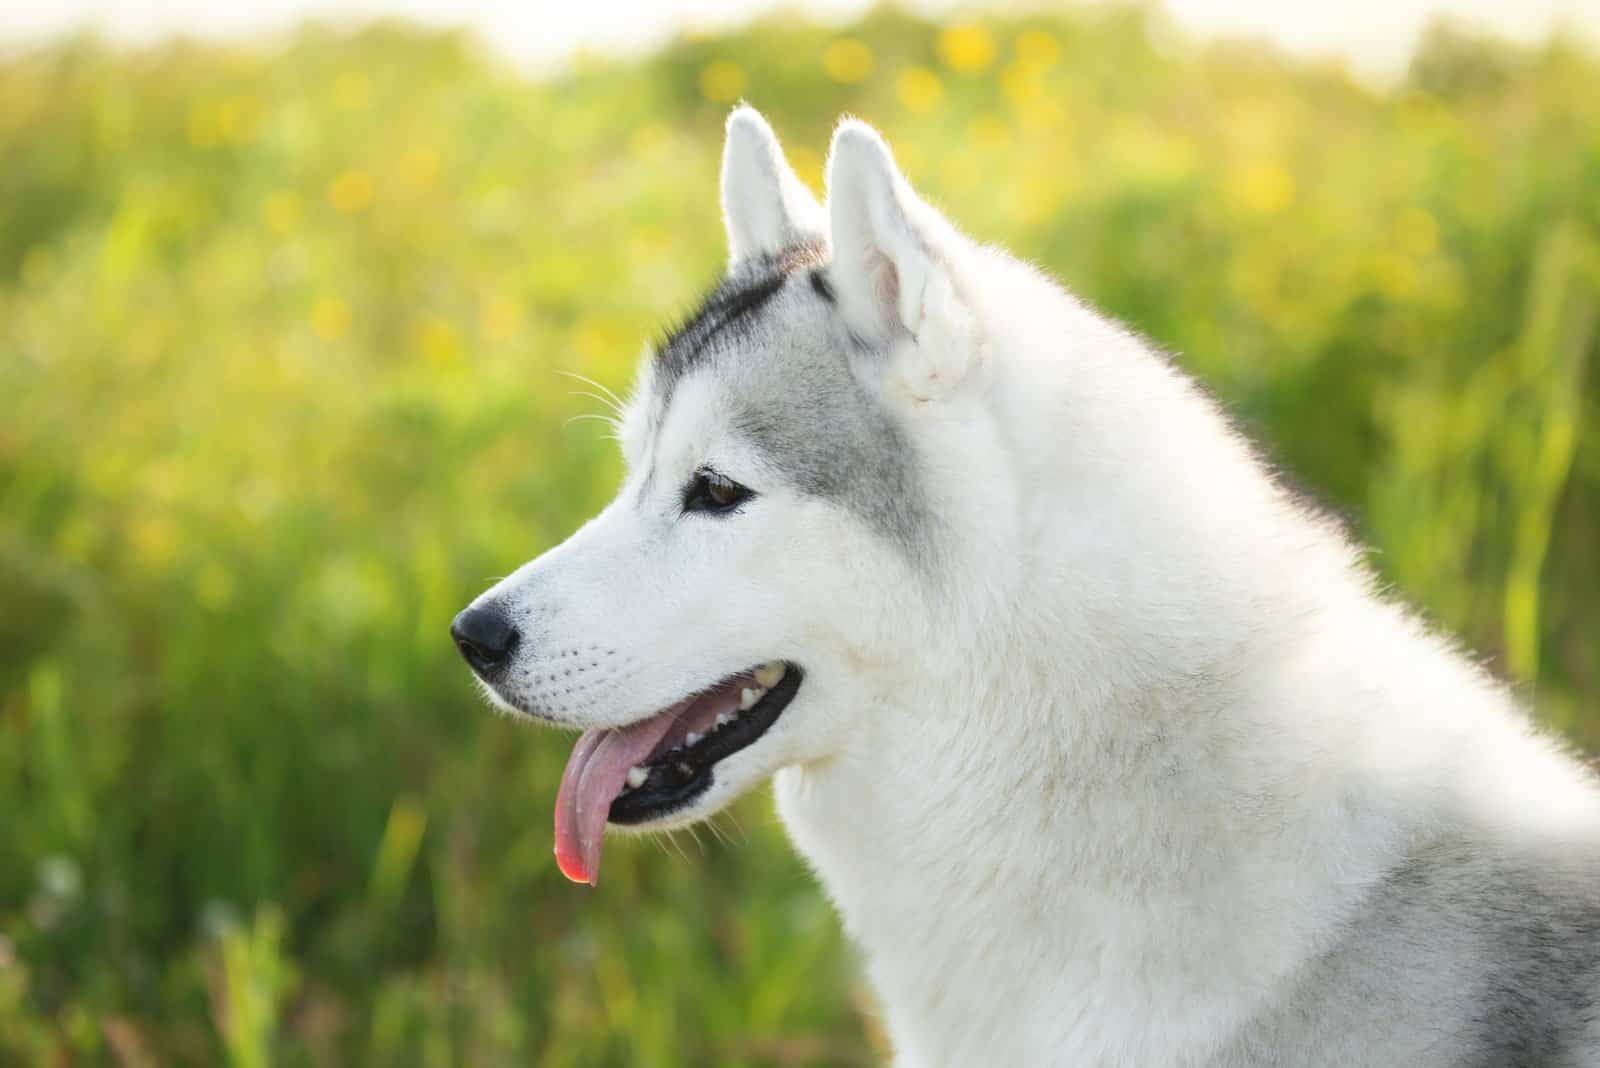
column 616, row 401
column 608, row 420
column 611, row 406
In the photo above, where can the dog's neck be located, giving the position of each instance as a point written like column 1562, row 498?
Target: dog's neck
column 1092, row 811
column 995, row 845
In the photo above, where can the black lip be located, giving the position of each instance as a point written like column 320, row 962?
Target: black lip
column 670, row 787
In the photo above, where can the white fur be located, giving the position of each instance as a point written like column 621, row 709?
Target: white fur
column 889, row 261
column 765, row 206
column 1098, row 778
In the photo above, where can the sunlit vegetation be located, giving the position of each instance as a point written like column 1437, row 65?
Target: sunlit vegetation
column 280, row 334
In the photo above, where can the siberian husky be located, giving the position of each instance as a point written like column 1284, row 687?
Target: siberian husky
column 1103, row 745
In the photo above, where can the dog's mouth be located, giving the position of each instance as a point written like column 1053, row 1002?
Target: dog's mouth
column 650, row 769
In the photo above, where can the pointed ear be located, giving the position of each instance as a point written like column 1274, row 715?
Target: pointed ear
column 765, row 206
column 891, row 251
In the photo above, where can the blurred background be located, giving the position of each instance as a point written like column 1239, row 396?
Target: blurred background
column 282, row 311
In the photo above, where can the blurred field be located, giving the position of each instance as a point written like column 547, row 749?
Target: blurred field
column 279, row 334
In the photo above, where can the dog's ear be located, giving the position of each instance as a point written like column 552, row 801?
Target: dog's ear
column 892, row 255
column 765, row 205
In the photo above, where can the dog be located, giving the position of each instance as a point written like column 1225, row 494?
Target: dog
column 1101, row 741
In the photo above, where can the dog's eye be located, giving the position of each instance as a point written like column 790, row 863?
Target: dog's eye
column 710, row 492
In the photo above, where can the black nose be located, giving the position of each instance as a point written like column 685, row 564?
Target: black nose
column 485, row 638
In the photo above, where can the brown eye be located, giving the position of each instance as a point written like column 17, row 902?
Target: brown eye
column 726, row 494
column 710, row 492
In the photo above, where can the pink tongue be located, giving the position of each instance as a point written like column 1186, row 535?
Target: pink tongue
column 595, row 773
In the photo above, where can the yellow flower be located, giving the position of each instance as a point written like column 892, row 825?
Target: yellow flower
column 1020, row 83
column 967, row 49
column 419, row 167
column 237, row 117
column 281, row 211
column 1037, row 198
column 807, row 164
column 1262, row 188
column 437, row 339
column 498, row 318
column 919, row 89
column 1036, row 48
column 330, row 318
column 351, row 191
column 722, row 81
column 352, row 90
column 847, row 60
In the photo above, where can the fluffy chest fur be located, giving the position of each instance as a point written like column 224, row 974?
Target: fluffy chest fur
column 1019, row 904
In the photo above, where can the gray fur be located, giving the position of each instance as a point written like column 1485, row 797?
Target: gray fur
column 770, row 335
column 1462, row 956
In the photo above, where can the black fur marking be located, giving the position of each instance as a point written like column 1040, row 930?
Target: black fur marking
column 820, row 284
column 735, row 301
column 723, row 309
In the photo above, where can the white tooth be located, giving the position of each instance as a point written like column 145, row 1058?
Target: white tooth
column 724, row 718
column 691, row 738
column 637, row 776
column 769, row 674
column 748, row 699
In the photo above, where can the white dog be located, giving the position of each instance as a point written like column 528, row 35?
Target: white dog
column 1103, row 745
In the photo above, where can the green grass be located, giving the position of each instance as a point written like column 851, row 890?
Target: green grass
column 279, row 334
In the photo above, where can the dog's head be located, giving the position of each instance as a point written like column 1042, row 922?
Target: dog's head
column 764, row 572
